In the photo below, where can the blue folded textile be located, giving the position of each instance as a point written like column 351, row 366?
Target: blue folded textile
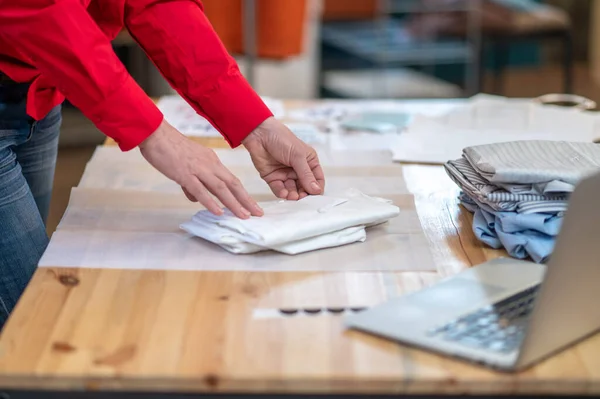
column 485, row 229
column 522, row 235
column 530, row 243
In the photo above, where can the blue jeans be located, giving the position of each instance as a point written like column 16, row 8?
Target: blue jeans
column 27, row 161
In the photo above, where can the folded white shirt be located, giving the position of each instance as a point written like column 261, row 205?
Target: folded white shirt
column 232, row 242
column 293, row 227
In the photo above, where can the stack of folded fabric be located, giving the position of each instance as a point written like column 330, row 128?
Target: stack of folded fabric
column 519, row 190
column 294, row 227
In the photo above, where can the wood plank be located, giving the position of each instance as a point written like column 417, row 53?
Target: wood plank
column 200, row 331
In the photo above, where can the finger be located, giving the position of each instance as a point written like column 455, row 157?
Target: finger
column 240, row 193
column 292, row 188
column 319, row 175
column 220, row 190
column 306, row 176
column 200, row 193
column 189, row 195
column 278, row 188
column 302, row 193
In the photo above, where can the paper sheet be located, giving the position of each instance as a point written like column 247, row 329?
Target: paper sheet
column 133, row 230
column 123, row 210
column 307, row 132
column 239, row 157
column 356, row 142
column 338, row 110
column 490, row 120
column 496, row 114
column 343, row 120
column 185, row 119
column 112, row 169
column 425, row 142
column 146, row 179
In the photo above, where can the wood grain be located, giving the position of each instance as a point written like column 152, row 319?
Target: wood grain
column 207, row 331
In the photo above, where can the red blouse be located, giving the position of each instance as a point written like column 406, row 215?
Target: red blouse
column 62, row 47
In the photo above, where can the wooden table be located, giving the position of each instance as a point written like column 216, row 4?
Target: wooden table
column 172, row 332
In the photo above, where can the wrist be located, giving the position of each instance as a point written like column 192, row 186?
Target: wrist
column 258, row 134
column 164, row 130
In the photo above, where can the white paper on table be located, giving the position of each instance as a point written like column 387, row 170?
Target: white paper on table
column 231, row 158
column 327, row 157
column 336, row 161
column 337, row 110
column 125, row 210
column 185, row 119
column 437, row 140
column 492, row 113
column 307, row 132
column 145, row 178
column 370, row 172
column 429, row 142
column 133, row 230
column 363, row 141
column 385, row 249
column 483, row 110
column 329, row 111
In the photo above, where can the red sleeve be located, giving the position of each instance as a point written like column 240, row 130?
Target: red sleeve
column 178, row 38
column 63, row 42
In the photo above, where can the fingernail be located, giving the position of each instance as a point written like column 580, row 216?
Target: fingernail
column 315, row 186
column 245, row 212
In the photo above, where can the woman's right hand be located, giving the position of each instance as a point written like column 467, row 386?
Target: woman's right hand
column 198, row 171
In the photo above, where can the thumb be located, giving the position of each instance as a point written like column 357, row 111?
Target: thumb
column 305, row 175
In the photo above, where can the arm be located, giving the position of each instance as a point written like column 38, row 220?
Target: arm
column 63, row 42
column 179, row 39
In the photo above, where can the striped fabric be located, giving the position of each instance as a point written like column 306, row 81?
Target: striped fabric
column 534, row 161
column 497, row 198
column 550, row 187
column 519, row 191
column 542, row 207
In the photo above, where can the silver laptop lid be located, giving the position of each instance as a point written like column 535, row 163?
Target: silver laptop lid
column 566, row 306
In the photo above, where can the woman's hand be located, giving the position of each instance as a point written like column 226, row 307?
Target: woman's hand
column 290, row 167
column 198, row 171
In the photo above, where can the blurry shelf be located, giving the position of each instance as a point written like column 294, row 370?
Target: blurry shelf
column 404, row 6
column 385, row 42
column 397, row 83
column 368, row 58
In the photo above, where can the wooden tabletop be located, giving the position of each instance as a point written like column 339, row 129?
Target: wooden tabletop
column 182, row 331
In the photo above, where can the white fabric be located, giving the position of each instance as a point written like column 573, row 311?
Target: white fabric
column 234, row 242
column 295, row 227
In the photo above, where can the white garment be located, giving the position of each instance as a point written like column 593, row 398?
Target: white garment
column 234, row 243
column 294, row 227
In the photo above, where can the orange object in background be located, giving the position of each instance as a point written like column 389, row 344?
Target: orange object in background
column 226, row 18
column 338, row 10
column 280, row 26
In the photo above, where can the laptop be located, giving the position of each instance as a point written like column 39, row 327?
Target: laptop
column 506, row 314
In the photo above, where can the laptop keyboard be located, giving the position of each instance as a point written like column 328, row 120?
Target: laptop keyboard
column 498, row 327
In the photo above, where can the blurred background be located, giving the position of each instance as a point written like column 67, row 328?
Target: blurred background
column 397, row 49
